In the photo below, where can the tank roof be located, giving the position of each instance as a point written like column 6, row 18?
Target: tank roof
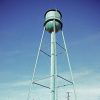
column 53, row 10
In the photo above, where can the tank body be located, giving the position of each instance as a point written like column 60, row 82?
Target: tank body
column 53, row 19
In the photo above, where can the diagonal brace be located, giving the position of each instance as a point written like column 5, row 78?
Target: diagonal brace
column 45, row 53
column 65, row 79
column 41, row 85
column 60, row 46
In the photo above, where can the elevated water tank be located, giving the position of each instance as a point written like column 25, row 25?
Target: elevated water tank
column 53, row 20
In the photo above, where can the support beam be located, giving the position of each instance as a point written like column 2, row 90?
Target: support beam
column 45, row 53
column 63, row 86
column 41, row 85
column 43, row 78
column 53, row 66
column 60, row 46
column 65, row 79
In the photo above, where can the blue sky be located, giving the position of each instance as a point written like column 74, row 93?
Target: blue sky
column 21, row 25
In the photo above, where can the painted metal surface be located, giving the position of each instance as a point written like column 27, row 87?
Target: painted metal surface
column 53, row 66
column 53, row 15
column 50, row 16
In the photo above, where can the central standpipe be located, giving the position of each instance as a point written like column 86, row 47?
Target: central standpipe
column 53, row 65
column 52, row 25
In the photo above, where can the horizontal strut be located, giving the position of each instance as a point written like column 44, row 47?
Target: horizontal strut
column 43, row 78
column 63, row 85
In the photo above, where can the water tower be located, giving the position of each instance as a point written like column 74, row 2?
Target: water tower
column 53, row 24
